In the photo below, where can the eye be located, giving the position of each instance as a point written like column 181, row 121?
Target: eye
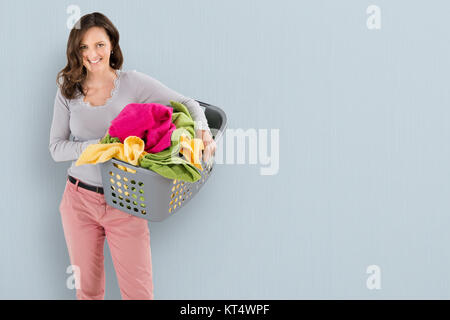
column 101, row 44
column 82, row 47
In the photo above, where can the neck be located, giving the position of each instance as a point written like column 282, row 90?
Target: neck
column 100, row 76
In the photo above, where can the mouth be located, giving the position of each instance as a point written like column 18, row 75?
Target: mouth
column 95, row 61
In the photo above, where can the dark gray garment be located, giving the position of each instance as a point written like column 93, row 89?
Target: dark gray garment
column 76, row 124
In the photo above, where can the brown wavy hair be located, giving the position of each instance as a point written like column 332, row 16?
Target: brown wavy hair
column 74, row 73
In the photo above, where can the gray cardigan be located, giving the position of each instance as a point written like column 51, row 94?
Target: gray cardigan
column 76, row 124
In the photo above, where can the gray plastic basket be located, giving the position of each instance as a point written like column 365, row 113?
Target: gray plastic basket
column 149, row 195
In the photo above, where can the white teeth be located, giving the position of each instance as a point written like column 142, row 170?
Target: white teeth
column 94, row 61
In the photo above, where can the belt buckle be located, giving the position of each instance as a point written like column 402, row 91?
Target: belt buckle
column 97, row 189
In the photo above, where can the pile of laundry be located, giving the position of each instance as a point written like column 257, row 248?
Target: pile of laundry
column 151, row 136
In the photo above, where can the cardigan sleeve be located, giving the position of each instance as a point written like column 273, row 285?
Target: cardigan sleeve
column 61, row 148
column 150, row 90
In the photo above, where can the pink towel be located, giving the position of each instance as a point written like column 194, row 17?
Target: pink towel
column 152, row 122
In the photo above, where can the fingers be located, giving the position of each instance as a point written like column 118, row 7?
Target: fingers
column 206, row 154
column 209, row 144
column 209, row 151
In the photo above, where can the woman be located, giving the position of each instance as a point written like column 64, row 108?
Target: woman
column 92, row 90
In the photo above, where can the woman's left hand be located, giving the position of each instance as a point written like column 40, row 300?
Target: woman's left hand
column 208, row 143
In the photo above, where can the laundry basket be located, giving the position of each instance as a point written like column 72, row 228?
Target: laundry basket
column 146, row 194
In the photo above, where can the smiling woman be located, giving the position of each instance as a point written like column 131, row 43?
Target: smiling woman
column 93, row 91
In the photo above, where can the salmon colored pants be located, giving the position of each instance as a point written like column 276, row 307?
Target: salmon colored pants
column 87, row 220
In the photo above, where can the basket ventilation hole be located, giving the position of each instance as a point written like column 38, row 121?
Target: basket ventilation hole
column 118, row 166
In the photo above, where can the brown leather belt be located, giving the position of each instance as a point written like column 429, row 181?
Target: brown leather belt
column 86, row 186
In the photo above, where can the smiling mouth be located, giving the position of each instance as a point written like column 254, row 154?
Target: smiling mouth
column 95, row 62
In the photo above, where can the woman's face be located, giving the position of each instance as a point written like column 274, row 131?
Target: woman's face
column 95, row 48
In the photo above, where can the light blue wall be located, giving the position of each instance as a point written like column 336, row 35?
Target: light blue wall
column 364, row 147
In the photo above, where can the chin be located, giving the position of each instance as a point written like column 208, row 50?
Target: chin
column 96, row 68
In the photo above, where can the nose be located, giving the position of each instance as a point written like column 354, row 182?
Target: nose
column 92, row 54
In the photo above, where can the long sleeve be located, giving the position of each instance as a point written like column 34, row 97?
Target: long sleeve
column 61, row 148
column 150, row 90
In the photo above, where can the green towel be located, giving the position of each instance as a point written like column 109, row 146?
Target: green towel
column 168, row 162
column 181, row 118
column 108, row 139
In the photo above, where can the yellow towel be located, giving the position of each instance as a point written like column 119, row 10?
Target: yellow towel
column 191, row 149
column 130, row 151
column 133, row 148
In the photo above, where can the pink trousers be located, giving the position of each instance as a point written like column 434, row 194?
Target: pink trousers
column 87, row 220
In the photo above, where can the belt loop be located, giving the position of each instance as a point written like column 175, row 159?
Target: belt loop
column 76, row 185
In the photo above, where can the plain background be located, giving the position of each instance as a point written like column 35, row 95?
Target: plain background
column 364, row 154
